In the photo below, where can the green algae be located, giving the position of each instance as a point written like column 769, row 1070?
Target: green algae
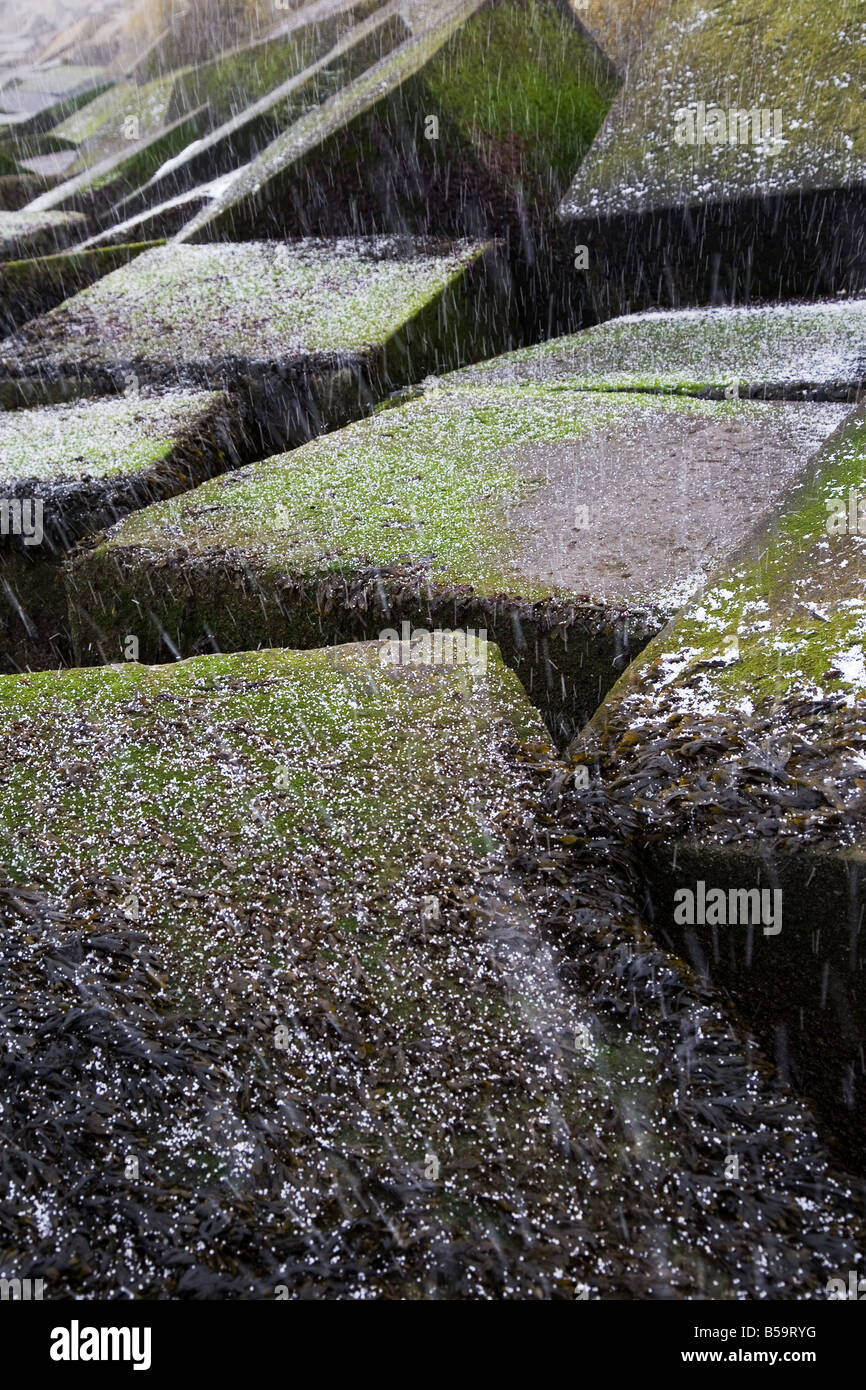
column 239, row 138
column 518, row 81
column 96, row 439
column 792, row 349
column 312, row 129
column 234, row 80
column 126, row 163
column 100, row 128
column 744, row 56
column 160, row 799
column 787, row 620
column 520, row 116
column 345, row 727
column 431, row 481
column 182, row 304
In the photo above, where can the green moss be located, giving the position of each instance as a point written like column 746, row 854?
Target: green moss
column 99, row 128
column 234, row 80
column 430, row 481
column 809, row 63
column 204, row 745
column 95, row 439
column 784, row 350
column 123, row 164
column 435, row 482
column 184, row 304
column 523, row 87
column 515, row 112
column 790, row 617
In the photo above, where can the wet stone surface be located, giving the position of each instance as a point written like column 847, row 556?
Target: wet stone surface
column 781, row 352
column 326, row 1047
column 737, row 742
column 33, row 233
column 739, row 57
column 66, row 471
column 193, row 313
column 542, row 516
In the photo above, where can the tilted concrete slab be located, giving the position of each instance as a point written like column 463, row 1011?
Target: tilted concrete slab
column 186, row 126
column 732, row 57
column 433, row 140
column 237, row 137
column 306, row 334
column 544, row 516
column 738, row 741
column 67, row 471
column 732, row 163
column 781, row 352
column 97, row 187
column 27, row 233
column 305, row 945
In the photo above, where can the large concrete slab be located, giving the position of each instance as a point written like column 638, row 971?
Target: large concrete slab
column 525, row 132
column 781, row 352
column 737, row 741
column 306, row 333
column 66, row 471
column 129, row 133
column 32, row 287
column 129, row 162
column 327, row 54
column 26, row 233
column 433, row 140
column 718, row 202
column 569, row 524
column 337, row 1055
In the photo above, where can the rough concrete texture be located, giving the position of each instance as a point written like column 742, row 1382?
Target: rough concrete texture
column 544, row 516
column 743, row 55
column 691, row 195
column 304, row 333
column 66, row 471
column 737, row 741
column 344, row 1008
column 782, row 352
column 26, row 233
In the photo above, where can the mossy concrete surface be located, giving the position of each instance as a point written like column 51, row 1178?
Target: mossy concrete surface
column 767, row 201
column 543, row 516
column 790, row 614
column 305, row 334
column 239, row 137
column 522, row 134
column 738, row 741
column 743, row 54
column 349, row 1031
column 95, row 190
column 127, row 135
column 66, row 471
column 784, row 352
column 28, row 233
column 32, row 287
column 470, row 127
